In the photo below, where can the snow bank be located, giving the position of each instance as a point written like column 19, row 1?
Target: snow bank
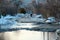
column 10, row 21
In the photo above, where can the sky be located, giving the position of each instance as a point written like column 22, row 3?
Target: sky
column 29, row 1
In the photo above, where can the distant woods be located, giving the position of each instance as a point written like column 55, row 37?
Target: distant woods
column 10, row 7
column 53, row 8
column 50, row 8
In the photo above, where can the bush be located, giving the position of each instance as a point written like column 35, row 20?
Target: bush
column 22, row 10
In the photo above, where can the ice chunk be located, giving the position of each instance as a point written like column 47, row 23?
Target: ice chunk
column 8, row 17
column 7, row 20
column 38, row 19
column 37, row 16
column 20, row 15
column 50, row 20
column 27, row 15
column 33, row 15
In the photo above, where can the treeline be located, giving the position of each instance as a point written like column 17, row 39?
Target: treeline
column 50, row 8
column 9, row 7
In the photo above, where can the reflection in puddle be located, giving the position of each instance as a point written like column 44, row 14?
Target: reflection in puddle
column 22, row 35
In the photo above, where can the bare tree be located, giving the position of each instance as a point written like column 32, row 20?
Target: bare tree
column 54, row 8
column 9, row 7
column 36, row 7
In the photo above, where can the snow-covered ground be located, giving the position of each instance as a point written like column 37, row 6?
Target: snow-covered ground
column 15, row 21
column 50, row 20
column 23, row 20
